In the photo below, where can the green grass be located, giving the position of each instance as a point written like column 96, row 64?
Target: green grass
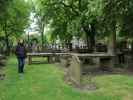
column 45, row 82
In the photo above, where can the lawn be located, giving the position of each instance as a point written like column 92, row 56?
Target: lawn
column 45, row 82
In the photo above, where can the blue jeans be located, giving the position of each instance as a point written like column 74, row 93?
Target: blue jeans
column 21, row 62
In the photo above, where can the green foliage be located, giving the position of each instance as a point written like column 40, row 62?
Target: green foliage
column 14, row 19
column 18, row 17
column 15, row 16
column 68, row 17
column 118, row 13
column 3, row 8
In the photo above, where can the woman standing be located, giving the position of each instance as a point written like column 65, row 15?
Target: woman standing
column 21, row 55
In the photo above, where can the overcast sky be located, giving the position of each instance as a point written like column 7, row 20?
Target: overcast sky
column 32, row 29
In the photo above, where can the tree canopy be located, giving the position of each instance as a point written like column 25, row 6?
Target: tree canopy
column 87, row 18
column 13, row 19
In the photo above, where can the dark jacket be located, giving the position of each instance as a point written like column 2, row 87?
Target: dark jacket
column 20, row 51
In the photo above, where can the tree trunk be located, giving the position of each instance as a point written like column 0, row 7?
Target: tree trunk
column 132, row 49
column 6, row 40
column 112, row 41
column 90, row 38
column 42, row 37
column 112, row 45
column 7, row 44
column 87, row 40
column 92, row 42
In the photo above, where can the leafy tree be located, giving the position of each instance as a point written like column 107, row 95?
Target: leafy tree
column 72, row 18
column 88, row 18
column 14, row 20
column 117, row 15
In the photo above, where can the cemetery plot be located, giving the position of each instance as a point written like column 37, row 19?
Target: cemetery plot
column 75, row 62
column 76, row 65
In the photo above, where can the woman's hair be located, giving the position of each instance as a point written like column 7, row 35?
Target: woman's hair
column 21, row 42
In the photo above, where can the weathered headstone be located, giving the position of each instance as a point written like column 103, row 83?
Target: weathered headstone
column 76, row 64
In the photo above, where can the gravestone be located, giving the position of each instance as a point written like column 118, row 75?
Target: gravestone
column 104, row 61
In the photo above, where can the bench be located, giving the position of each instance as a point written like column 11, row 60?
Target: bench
column 52, row 57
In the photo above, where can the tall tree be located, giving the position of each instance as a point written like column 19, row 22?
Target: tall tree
column 88, row 17
column 15, row 20
column 64, row 14
column 115, row 14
